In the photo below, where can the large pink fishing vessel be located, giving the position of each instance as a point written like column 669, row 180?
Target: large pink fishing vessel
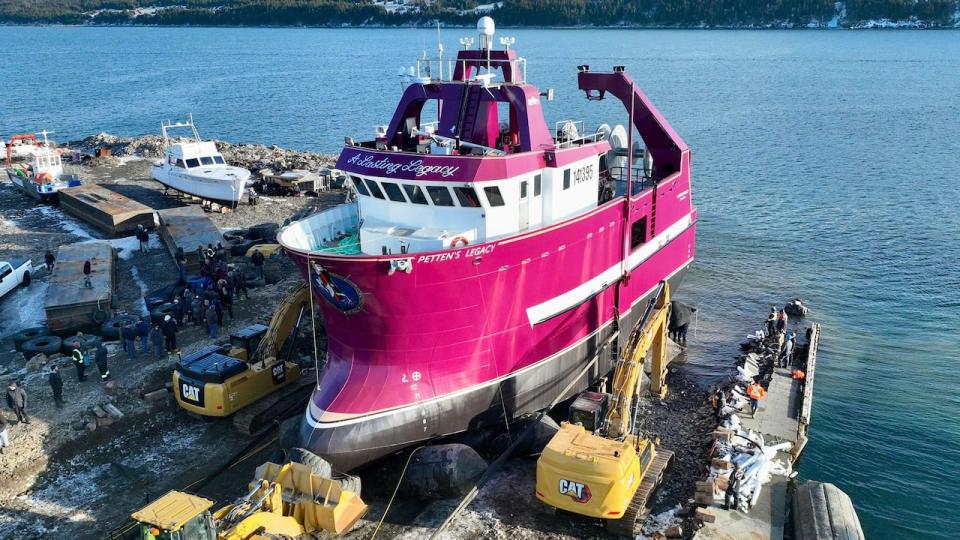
column 486, row 257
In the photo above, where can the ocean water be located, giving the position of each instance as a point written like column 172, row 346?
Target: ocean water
column 826, row 166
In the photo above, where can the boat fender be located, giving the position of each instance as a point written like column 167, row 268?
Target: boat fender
column 99, row 316
column 456, row 242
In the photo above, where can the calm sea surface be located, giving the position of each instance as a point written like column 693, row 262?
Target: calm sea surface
column 826, row 165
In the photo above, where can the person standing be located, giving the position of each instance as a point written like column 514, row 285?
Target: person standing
column 786, row 355
column 211, row 319
column 178, row 311
column 56, row 384
column 17, row 400
column 226, row 299
column 129, row 335
column 257, row 260
column 102, row 366
column 771, row 321
column 733, row 489
column 4, row 434
column 143, row 237
column 240, row 284
column 251, row 196
column 79, row 360
column 755, row 392
column 143, row 333
column 87, row 270
column 170, row 334
column 782, row 321
column 156, row 338
column 49, row 259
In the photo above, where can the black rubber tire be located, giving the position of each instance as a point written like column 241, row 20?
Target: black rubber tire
column 111, row 328
column 26, row 279
column 86, row 342
column 43, row 344
column 99, row 316
column 161, row 311
column 29, row 333
column 238, row 248
column 266, row 232
column 238, row 234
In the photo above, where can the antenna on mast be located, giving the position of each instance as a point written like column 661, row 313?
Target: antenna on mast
column 440, row 50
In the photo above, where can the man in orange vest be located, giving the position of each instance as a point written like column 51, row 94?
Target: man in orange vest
column 755, row 392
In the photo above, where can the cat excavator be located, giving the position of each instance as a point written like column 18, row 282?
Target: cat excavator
column 252, row 377
column 283, row 501
column 598, row 464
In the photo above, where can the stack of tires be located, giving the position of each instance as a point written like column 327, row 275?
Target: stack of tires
column 33, row 341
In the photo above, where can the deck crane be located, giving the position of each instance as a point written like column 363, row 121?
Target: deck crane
column 598, row 464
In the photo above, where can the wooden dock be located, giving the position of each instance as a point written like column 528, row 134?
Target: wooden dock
column 187, row 227
column 106, row 210
column 70, row 304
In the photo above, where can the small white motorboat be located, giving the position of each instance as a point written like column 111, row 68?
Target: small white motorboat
column 196, row 168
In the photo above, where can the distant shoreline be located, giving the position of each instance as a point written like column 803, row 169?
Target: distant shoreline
column 6, row 24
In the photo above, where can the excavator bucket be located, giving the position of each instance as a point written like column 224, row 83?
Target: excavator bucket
column 317, row 502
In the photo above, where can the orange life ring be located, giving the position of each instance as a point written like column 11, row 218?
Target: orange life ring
column 455, row 243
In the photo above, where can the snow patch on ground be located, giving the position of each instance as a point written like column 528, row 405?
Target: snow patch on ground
column 135, row 273
column 660, row 522
column 68, row 224
column 129, row 245
column 23, row 308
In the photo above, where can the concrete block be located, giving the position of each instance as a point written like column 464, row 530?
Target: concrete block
column 705, row 515
column 706, row 486
column 104, row 422
column 723, row 434
column 703, row 498
column 674, row 532
column 99, row 412
column 110, row 388
column 722, row 482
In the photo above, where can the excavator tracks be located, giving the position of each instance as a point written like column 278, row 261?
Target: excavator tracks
column 276, row 407
column 636, row 512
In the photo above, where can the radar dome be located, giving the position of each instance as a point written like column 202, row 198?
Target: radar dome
column 485, row 26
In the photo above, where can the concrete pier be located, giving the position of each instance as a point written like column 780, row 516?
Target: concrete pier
column 784, row 415
column 70, row 304
column 106, row 210
column 187, row 227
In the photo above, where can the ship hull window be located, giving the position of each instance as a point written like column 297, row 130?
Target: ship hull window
column 374, row 189
column 638, row 233
column 467, row 197
column 493, row 196
column 218, row 160
column 193, row 162
column 206, row 160
column 523, row 189
column 394, row 193
column 415, row 193
column 566, row 179
column 440, row 195
column 537, row 185
column 361, row 188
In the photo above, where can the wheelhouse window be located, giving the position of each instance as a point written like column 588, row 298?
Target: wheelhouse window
column 394, row 193
column 374, row 189
column 359, row 185
column 493, row 196
column 218, row 160
column 172, row 160
column 537, row 185
column 638, row 233
column 440, row 195
column 193, row 162
column 415, row 193
column 206, row 160
column 566, row 179
column 523, row 189
column 467, row 197
column 180, row 163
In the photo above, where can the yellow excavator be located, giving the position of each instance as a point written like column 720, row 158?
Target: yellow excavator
column 284, row 501
column 597, row 464
column 236, row 378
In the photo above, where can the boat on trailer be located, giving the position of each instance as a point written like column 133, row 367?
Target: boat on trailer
column 42, row 177
column 195, row 167
column 486, row 259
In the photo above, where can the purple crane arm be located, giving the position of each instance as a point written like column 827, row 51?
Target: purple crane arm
column 663, row 143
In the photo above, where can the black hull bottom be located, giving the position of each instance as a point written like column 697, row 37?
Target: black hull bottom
column 352, row 445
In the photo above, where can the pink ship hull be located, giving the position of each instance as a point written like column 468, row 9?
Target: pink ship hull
column 428, row 352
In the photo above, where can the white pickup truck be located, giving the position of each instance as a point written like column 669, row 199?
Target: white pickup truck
column 14, row 273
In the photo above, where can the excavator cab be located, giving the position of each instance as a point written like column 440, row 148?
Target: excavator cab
column 589, row 409
column 244, row 342
column 176, row 516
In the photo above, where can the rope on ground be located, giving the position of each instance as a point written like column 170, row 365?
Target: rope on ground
column 395, row 490
column 502, row 458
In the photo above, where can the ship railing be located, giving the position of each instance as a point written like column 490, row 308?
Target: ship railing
column 569, row 133
column 641, row 181
column 436, row 70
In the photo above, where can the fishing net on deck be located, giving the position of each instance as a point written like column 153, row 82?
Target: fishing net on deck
column 348, row 244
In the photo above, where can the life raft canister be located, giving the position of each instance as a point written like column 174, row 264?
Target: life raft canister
column 456, row 242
